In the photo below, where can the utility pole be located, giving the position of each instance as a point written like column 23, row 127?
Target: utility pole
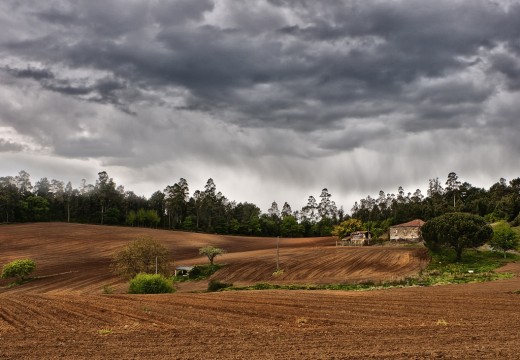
column 278, row 253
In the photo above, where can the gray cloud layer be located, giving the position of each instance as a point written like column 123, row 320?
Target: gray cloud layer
column 270, row 89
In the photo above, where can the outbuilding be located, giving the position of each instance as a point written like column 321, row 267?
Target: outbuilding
column 183, row 270
column 357, row 238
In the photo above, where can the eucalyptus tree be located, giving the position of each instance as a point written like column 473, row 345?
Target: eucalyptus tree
column 310, row 211
column 57, row 199
column 286, row 210
column 209, row 201
column 23, row 183
column 157, row 203
column 452, row 186
column 42, row 188
column 9, row 199
column 177, row 197
column 324, row 207
column 106, row 193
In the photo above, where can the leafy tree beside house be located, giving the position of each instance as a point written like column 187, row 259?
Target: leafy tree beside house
column 347, row 227
column 504, row 238
column 458, row 231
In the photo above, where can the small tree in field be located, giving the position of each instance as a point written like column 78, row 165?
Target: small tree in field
column 504, row 238
column 142, row 256
column 19, row 269
column 211, row 252
column 457, row 231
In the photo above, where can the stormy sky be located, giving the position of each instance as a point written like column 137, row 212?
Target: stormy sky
column 273, row 99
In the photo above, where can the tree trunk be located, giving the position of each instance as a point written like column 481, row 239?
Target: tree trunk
column 459, row 254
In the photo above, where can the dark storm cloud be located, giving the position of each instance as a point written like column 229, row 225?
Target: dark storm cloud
column 31, row 73
column 106, row 90
column 247, row 83
column 509, row 66
column 10, row 146
column 305, row 71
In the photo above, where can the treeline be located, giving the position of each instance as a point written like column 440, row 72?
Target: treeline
column 206, row 210
column 500, row 202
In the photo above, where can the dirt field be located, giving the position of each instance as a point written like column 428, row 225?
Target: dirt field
column 65, row 316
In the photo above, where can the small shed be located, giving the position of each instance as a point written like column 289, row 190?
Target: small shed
column 407, row 232
column 183, row 270
column 357, row 238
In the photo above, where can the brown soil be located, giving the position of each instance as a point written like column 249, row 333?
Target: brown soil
column 65, row 316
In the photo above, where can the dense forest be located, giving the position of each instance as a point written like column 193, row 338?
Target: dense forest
column 500, row 202
column 208, row 210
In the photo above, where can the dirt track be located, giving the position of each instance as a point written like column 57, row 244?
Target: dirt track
column 476, row 321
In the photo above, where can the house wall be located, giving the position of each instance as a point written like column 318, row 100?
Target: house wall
column 405, row 233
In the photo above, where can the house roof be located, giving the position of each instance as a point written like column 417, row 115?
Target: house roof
column 413, row 223
column 360, row 232
column 187, row 268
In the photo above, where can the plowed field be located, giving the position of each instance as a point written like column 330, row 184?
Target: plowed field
column 64, row 315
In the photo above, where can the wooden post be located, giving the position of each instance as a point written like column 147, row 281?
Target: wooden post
column 278, row 253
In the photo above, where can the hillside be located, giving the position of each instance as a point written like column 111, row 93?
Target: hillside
column 75, row 258
column 65, row 316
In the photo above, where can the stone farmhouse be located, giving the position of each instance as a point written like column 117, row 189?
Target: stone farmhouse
column 407, row 232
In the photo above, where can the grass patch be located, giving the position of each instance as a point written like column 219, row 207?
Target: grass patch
column 301, row 321
column 441, row 322
column 108, row 290
column 475, row 266
column 105, row 331
column 278, row 272
column 20, row 282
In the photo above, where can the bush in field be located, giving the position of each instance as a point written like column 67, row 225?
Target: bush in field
column 18, row 269
column 150, row 284
column 215, row 285
column 200, row 272
column 141, row 256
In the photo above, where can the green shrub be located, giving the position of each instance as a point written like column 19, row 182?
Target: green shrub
column 504, row 238
column 150, row 284
column 200, row 272
column 215, row 285
column 18, row 269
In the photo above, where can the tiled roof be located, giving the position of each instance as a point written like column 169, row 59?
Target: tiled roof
column 413, row 223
